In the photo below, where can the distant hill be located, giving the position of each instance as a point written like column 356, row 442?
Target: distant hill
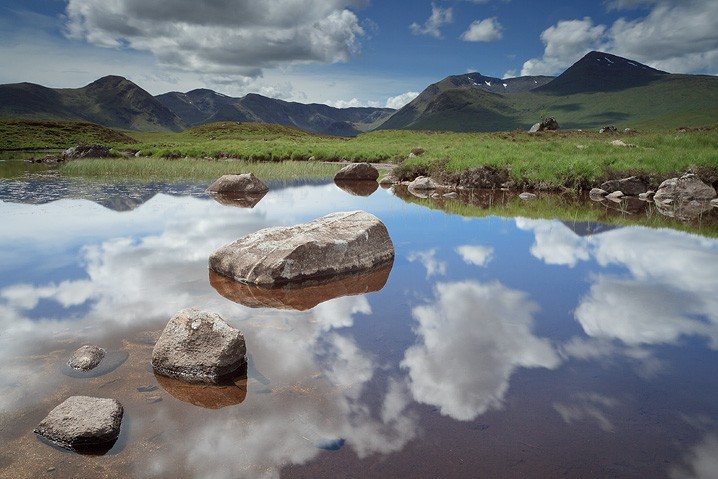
column 111, row 101
column 203, row 106
column 597, row 90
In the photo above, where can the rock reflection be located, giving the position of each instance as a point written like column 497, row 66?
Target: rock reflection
column 683, row 210
column 357, row 188
column 474, row 336
column 302, row 296
column 238, row 199
column 209, row 396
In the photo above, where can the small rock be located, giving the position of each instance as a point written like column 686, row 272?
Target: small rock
column 82, row 421
column 581, row 147
column 389, row 179
column 622, row 144
column 714, row 203
column 615, row 195
column 86, row 357
column 357, row 171
column 597, row 193
column 245, row 183
column 452, row 194
column 647, row 195
column 527, row 196
column 549, row 123
column 198, row 346
column 608, row 129
column 86, row 151
column 423, row 183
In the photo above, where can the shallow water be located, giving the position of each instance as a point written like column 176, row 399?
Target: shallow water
column 495, row 347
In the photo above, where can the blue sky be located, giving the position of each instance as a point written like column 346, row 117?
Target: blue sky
column 340, row 52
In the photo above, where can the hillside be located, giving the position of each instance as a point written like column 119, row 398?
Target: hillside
column 111, row 101
column 203, row 106
column 597, row 90
column 19, row 134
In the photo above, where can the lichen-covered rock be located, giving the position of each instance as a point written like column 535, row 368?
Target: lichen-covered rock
column 86, row 357
column 357, row 172
column 686, row 188
column 82, row 421
column 198, row 346
column 336, row 244
column 245, row 183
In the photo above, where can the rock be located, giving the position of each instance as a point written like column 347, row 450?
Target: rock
column 356, row 172
column 246, row 184
column 451, row 195
column 198, row 346
column 423, row 183
column 86, row 151
column 714, row 203
column 208, row 396
column 82, row 421
column 631, row 186
column 684, row 210
column 621, row 143
column 647, row 195
column 608, row 129
column 527, row 196
column 686, row 188
column 334, row 245
column 388, row 180
column 549, row 123
column 615, row 195
column 597, row 193
column 86, row 357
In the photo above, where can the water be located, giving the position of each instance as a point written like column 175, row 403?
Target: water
column 495, row 347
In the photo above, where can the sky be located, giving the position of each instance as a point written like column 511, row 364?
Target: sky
column 343, row 53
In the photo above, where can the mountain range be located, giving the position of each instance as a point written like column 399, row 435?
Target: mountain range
column 599, row 89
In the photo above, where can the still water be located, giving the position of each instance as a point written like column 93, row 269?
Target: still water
column 494, row 347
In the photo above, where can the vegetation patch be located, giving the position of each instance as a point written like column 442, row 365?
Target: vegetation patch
column 18, row 134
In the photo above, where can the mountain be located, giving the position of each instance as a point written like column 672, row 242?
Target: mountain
column 597, row 90
column 202, row 106
column 111, row 101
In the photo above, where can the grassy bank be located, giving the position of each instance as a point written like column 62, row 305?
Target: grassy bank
column 48, row 134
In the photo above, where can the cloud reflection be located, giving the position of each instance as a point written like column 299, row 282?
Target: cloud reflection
column 474, row 336
column 476, row 254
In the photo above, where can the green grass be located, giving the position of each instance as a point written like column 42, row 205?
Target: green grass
column 41, row 134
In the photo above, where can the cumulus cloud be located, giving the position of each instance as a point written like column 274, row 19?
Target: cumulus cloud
column 555, row 243
column 399, row 101
column 432, row 27
column 677, row 36
column 485, row 30
column 476, row 254
column 225, row 36
column 429, row 261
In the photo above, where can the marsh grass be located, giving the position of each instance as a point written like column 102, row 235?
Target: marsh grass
column 151, row 169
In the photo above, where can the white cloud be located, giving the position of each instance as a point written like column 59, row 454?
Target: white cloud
column 476, row 254
column 555, row 243
column 432, row 27
column 677, row 36
column 238, row 38
column 485, row 30
column 428, row 260
column 701, row 461
column 354, row 102
column 473, row 337
column 509, row 74
column 399, row 101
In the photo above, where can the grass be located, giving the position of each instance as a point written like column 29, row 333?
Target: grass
column 44, row 134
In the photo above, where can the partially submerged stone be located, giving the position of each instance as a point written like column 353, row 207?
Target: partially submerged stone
column 198, row 346
column 331, row 246
column 86, row 357
column 597, row 193
column 357, row 188
column 686, row 188
column 81, row 422
column 208, row 396
column 527, row 196
column 245, row 183
column 423, row 183
column 357, row 172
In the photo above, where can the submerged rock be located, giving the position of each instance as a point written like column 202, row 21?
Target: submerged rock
column 245, row 183
column 328, row 247
column 198, row 346
column 86, row 357
column 357, row 172
column 82, row 421
column 357, row 188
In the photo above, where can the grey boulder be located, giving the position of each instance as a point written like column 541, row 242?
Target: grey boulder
column 423, row 183
column 86, row 358
column 631, row 186
column 245, row 183
column 686, row 188
column 327, row 247
column 82, row 421
column 357, row 171
column 86, row 151
column 198, row 346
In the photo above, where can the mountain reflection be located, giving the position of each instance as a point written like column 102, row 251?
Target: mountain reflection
column 474, row 336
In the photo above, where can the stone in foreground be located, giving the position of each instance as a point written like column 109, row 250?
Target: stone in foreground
column 358, row 172
column 198, row 346
column 81, row 422
column 686, row 188
column 86, row 357
column 328, row 247
column 246, row 184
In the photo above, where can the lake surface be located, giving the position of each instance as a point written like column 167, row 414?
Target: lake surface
column 494, row 347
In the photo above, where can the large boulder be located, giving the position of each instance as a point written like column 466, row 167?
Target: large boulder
column 82, row 421
column 198, row 346
column 357, row 171
column 631, row 186
column 86, row 151
column 548, row 123
column 244, row 184
column 686, row 188
column 331, row 246
column 86, row 357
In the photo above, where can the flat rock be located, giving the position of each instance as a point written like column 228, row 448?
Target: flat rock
column 357, row 171
column 245, row 183
column 82, row 421
column 327, row 247
column 631, row 186
column 86, row 357
column 527, row 196
column 198, row 346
